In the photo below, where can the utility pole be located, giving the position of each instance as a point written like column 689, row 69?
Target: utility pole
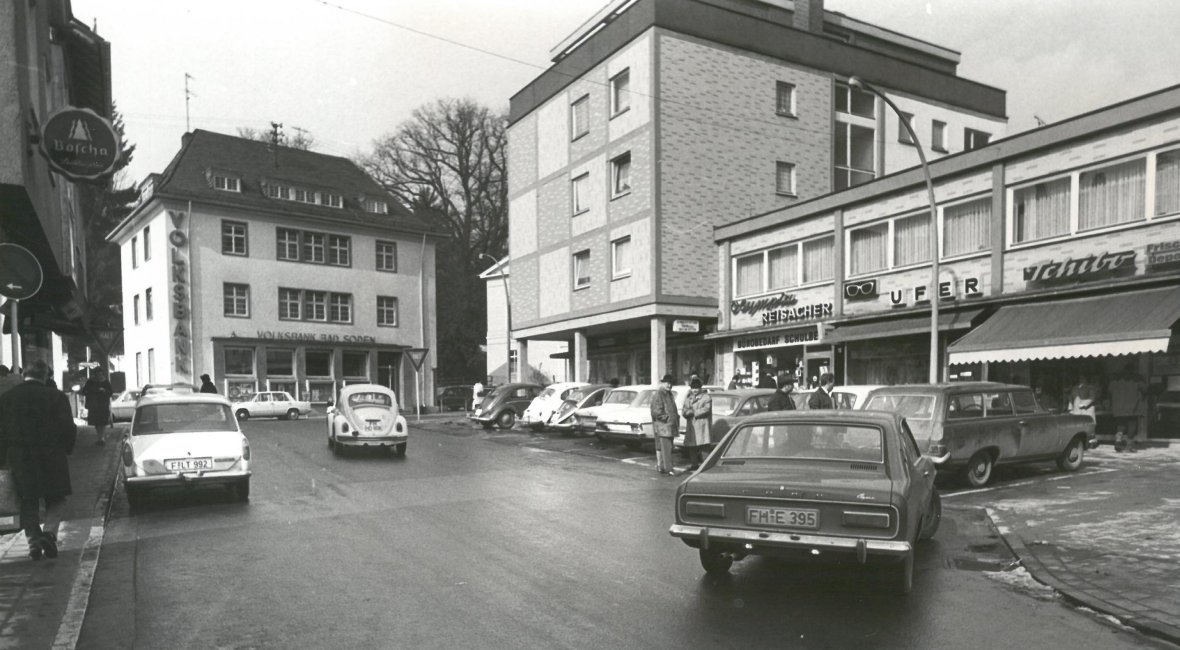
column 276, row 136
column 187, row 95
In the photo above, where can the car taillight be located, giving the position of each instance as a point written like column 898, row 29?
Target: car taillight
column 399, row 427
column 128, row 455
column 245, row 449
column 344, row 427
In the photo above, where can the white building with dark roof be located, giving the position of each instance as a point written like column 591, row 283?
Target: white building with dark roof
column 271, row 268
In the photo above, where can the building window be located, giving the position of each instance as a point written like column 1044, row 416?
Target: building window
column 818, row 260
column 1167, row 182
column 938, row 136
column 236, row 299
column 355, row 364
column 280, row 361
column 911, row 240
column 784, row 98
column 226, row 183
column 339, row 250
column 331, row 200
column 748, row 275
column 151, row 367
column 1041, row 211
column 783, row 267
column 620, row 257
column 580, row 194
column 135, row 309
column 318, row 363
column 387, row 311
column 135, row 252
column 239, row 361
column 233, row 238
column 868, row 249
column 315, row 305
column 147, row 304
column 621, row 175
column 580, row 117
column 287, row 242
column 620, row 92
column 973, row 139
column 139, row 368
column 854, row 101
column 387, row 256
column 147, row 243
column 966, row 228
column 376, row 206
column 313, row 247
column 512, row 362
column 1111, row 195
column 340, row 307
column 290, row 301
column 903, row 134
column 581, row 269
column 784, row 178
column 855, row 155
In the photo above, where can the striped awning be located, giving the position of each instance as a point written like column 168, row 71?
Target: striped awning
column 1110, row 325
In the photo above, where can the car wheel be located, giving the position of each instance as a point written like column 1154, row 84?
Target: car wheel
column 633, row 444
column 1071, row 459
column 903, row 574
column 242, row 490
column 399, row 449
column 933, row 517
column 243, row 414
column 292, row 414
column 979, row 469
column 715, row 562
column 506, row 419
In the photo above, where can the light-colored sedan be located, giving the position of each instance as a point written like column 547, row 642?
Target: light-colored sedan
column 123, row 405
column 632, row 425
column 184, row 440
column 366, row 415
column 271, row 404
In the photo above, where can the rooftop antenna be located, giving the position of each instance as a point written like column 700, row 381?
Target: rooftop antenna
column 301, row 134
column 187, row 95
column 276, row 137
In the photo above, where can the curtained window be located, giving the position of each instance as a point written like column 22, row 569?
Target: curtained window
column 1167, row 182
column 1112, row 195
column 965, row 228
column 784, row 267
column 749, row 275
column 817, row 259
column 869, row 247
column 911, row 240
column 1041, row 211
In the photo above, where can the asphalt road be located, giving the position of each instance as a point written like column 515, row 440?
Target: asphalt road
column 509, row 540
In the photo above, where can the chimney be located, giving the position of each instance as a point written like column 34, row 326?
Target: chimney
column 809, row 16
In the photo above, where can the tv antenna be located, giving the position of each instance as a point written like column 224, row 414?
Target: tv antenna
column 188, row 94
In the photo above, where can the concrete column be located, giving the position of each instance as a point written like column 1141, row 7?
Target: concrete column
column 581, row 365
column 522, row 359
column 659, row 348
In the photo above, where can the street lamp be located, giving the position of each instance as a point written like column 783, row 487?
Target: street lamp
column 508, row 307
column 857, row 82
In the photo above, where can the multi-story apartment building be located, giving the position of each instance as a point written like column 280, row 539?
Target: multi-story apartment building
column 48, row 61
column 661, row 119
column 273, row 268
column 1059, row 255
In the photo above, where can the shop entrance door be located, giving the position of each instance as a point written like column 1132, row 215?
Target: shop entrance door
column 388, row 366
column 816, row 366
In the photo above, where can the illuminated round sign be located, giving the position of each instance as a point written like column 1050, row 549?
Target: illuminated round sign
column 80, row 144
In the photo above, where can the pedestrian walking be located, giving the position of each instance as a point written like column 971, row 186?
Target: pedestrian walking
column 736, row 382
column 1128, row 403
column 1084, row 399
column 766, row 380
column 476, row 394
column 97, row 391
column 665, row 423
column 781, row 400
column 207, row 385
column 822, row 397
column 698, row 415
column 37, row 432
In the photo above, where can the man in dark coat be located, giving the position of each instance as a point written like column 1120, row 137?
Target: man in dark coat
column 781, row 400
column 822, row 397
column 37, row 432
column 665, row 420
column 207, row 385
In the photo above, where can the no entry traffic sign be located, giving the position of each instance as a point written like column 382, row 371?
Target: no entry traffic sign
column 20, row 272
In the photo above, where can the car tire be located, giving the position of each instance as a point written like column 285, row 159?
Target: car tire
column 979, row 469
column 242, row 415
column 716, row 563
column 292, row 414
column 1075, row 452
column 506, row 419
column 399, row 449
column 242, row 491
column 933, row 517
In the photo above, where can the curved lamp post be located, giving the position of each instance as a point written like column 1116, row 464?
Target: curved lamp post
column 508, row 307
column 857, row 82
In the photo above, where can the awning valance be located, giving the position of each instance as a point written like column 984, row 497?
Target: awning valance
column 1109, row 325
column 908, row 325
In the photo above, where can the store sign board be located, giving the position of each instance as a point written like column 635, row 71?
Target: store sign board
column 798, row 336
column 1163, row 257
column 947, row 291
column 321, row 337
column 1081, row 269
column 860, row 289
column 686, row 326
column 182, row 340
column 20, row 272
column 80, row 144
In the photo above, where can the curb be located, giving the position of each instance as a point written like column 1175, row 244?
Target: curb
column 1044, row 575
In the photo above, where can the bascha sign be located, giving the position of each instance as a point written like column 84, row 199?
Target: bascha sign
column 80, row 144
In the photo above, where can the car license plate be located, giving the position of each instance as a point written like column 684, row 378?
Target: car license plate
column 372, row 425
column 188, row 464
column 788, row 517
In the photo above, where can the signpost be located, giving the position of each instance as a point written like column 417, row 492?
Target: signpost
column 80, row 144
column 20, row 279
column 417, row 356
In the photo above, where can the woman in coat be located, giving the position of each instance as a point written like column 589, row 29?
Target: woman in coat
column 98, row 393
column 698, row 411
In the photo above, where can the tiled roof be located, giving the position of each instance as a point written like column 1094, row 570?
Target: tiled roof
column 255, row 163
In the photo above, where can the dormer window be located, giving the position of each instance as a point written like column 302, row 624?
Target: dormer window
column 331, row 200
column 376, row 206
column 226, row 183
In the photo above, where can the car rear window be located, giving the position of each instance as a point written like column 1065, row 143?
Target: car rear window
column 914, row 407
column 724, row 404
column 844, row 400
column 369, row 399
column 807, row 442
column 547, row 392
column 644, row 398
column 620, row 397
column 176, row 418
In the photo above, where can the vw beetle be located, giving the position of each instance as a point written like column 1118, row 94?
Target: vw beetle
column 365, row 415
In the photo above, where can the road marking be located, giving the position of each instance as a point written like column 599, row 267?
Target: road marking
column 947, row 495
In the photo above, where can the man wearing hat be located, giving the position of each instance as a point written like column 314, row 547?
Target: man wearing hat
column 666, row 424
column 781, row 400
column 207, row 385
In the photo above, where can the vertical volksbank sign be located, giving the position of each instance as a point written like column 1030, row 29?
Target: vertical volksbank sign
column 182, row 339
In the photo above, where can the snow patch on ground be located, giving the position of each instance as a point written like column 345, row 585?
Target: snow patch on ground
column 1022, row 580
column 1113, row 620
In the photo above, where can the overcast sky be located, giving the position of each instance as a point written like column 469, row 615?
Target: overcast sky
column 349, row 71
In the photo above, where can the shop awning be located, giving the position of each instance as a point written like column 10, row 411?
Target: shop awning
column 1110, row 325
column 908, row 325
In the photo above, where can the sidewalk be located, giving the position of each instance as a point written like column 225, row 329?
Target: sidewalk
column 1114, row 547
column 42, row 603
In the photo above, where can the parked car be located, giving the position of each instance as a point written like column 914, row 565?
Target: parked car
column 156, row 389
column 184, row 440
column 536, row 415
column 586, row 418
column 504, row 404
column 366, row 415
column 563, row 419
column 454, row 398
column 845, row 486
column 123, row 406
column 271, row 404
column 971, row 427
column 731, row 407
column 852, row 397
column 632, row 425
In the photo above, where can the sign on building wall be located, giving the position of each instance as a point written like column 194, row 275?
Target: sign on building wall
column 1163, row 257
column 80, row 144
column 181, row 297
column 783, row 308
column 1082, row 269
column 969, row 287
column 812, row 334
column 686, row 326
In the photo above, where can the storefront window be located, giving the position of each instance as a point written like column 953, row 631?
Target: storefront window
column 280, row 362
column 319, row 363
column 356, row 364
column 288, row 386
column 239, row 390
column 239, row 361
column 320, row 391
